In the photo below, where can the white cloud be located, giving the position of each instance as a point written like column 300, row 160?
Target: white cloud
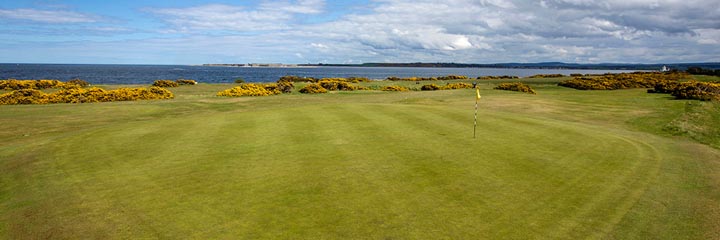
column 46, row 16
column 268, row 16
column 319, row 45
column 300, row 6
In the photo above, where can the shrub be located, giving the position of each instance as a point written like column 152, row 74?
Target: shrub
column 313, row 88
column 131, row 94
column 516, row 86
column 452, row 77
column 430, row 87
column 704, row 91
column 285, row 87
column 186, row 82
column 82, row 95
column 664, row 87
column 460, row 85
column 395, row 89
column 449, row 77
column 250, row 89
column 296, row 79
column 546, row 76
column 338, row 86
column 497, row 77
column 165, row 83
column 239, row 80
column 359, row 79
column 78, row 82
column 13, row 84
column 24, row 96
column 623, row 80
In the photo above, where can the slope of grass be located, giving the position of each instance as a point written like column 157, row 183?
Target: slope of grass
column 563, row 164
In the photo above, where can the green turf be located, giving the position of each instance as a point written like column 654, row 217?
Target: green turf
column 563, row 164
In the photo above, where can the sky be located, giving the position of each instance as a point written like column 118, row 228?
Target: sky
column 353, row 32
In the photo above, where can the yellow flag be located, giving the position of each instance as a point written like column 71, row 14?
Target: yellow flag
column 477, row 91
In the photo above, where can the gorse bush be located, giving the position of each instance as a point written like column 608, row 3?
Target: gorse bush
column 296, row 79
column 497, row 77
column 547, row 76
column 395, row 89
column 313, row 88
column 13, row 84
column 186, row 82
column 350, row 79
column 24, row 96
column 358, row 79
column 705, row 91
column 78, row 82
column 251, row 89
column 623, row 80
column 515, row 86
column 430, row 87
column 165, row 83
column 460, row 85
column 338, row 86
column 664, row 87
column 83, row 95
column 449, row 86
column 449, row 77
column 285, row 87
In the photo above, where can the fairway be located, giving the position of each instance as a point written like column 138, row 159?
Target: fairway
column 563, row 164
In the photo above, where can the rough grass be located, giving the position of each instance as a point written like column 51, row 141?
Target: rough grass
column 563, row 164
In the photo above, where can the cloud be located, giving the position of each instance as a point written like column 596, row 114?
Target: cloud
column 300, row 6
column 47, row 16
column 268, row 16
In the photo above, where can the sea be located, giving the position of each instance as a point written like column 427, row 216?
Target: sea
column 146, row 74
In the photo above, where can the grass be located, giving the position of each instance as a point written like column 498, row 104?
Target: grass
column 563, row 164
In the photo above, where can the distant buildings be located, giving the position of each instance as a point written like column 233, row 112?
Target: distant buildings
column 665, row 69
column 275, row 65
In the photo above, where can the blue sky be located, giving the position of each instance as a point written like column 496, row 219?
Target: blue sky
column 319, row 31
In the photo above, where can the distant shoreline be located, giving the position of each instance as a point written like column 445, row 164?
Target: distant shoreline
column 544, row 65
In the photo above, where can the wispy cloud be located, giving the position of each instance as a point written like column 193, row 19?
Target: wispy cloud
column 47, row 16
column 300, row 6
column 268, row 16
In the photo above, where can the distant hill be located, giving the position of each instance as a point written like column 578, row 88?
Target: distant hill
column 541, row 65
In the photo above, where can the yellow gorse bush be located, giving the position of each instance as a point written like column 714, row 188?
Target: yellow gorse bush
column 395, row 89
column 497, row 77
column 13, row 84
column 83, row 95
column 290, row 78
column 546, row 76
column 338, row 86
column 515, row 86
column 313, row 88
column 705, row 91
column 460, row 85
column 623, row 80
column 165, row 83
column 430, row 87
column 186, row 82
column 449, row 86
column 448, row 77
column 251, row 89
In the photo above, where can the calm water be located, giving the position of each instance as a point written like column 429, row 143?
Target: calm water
column 146, row 74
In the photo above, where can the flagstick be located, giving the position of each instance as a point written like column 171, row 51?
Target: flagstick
column 475, row 123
